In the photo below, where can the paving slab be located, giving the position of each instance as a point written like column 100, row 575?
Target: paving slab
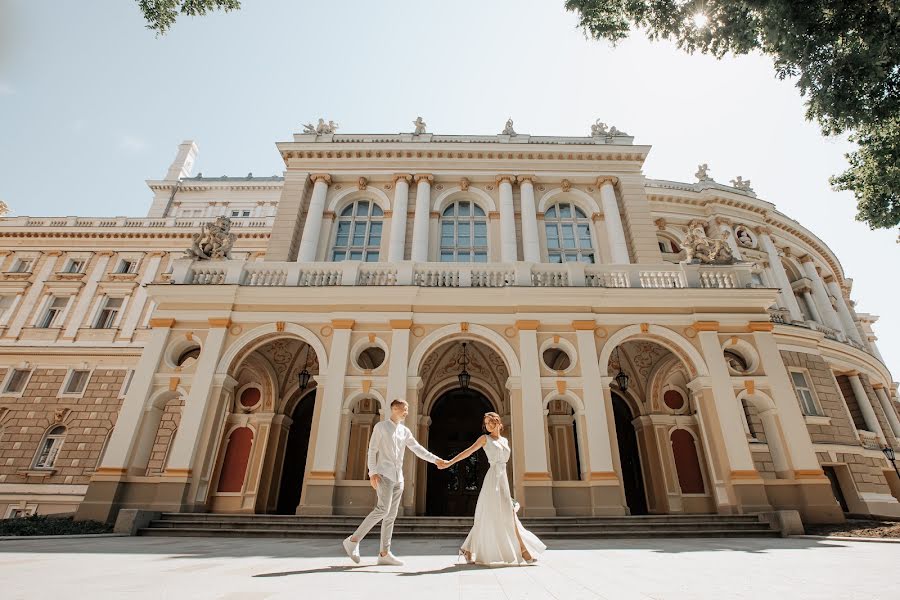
column 162, row 568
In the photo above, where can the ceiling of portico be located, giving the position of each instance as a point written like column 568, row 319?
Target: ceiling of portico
column 286, row 357
column 638, row 358
column 485, row 365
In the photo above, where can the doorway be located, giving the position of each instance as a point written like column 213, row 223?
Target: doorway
column 836, row 488
column 456, row 420
column 297, row 446
column 629, row 457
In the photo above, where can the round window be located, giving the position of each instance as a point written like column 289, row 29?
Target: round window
column 188, row 356
column 736, row 362
column 371, row 358
column 557, row 359
column 250, row 397
column 673, row 399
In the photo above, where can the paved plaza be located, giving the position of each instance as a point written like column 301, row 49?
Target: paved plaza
column 256, row 569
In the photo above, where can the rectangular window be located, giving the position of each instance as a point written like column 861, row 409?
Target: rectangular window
column 128, row 265
column 107, row 317
column 23, row 265
column 75, row 266
column 804, row 394
column 55, row 308
column 16, row 382
column 5, row 304
column 77, row 382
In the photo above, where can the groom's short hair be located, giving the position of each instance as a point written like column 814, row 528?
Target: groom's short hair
column 398, row 402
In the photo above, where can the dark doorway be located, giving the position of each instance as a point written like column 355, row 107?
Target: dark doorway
column 630, row 458
column 836, row 487
column 295, row 456
column 455, row 424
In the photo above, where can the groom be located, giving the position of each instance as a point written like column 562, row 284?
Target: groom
column 387, row 446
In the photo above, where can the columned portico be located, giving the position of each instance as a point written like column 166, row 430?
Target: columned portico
column 848, row 326
column 820, row 296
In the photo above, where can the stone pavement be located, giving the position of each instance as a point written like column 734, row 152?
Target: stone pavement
column 256, row 569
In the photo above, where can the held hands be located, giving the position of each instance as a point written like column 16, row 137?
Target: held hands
column 443, row 464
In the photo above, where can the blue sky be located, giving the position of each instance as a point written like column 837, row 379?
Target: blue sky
column 92, row 104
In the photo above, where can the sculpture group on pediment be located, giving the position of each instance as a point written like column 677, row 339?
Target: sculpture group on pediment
column 419, row 125
column 599, row 129
column 702, row 173
column 508, row 130
column 739, row 183
column 214, row 241
column 322, row 128
column 700, row 248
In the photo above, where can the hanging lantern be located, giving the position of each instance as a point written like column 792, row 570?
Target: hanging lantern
column 621, row 377
column 464, row 376
column 304, row 375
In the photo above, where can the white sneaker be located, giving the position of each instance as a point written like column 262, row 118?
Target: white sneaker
column 389, row 559
column 352, row 549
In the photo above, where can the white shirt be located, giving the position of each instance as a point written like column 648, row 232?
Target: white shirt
column 386, row 450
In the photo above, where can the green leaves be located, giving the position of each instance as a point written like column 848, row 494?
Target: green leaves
column 161, row 14
column 844, row 54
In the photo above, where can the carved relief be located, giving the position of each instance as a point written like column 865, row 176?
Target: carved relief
column 213, row 242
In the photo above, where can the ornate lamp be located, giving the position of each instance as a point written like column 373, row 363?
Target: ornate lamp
column 890, row 455
column 621, row 377
column 464, row 376
column 304, row 374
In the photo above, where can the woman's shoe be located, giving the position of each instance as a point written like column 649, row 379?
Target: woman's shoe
column 466, row 555
column 527, row 556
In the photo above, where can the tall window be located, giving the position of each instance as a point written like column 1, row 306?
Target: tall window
column 464, row 233
column 106, row 319
column 127, row 265
column 49, row 449
column 23, row 265
column 16, row 382
column 76, row 265
column 77, row 382
column 54, row 309
column 6, row 303
column 568, row 234
column 804, row 394
column 358, row 232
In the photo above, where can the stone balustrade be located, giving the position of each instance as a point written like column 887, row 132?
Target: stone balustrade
column 437, row 274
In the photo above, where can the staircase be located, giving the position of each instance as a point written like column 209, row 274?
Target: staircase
column 278, row 526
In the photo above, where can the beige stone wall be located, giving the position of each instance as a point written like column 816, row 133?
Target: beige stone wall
column 867, row 472
column 88, row 421
column 762, row 461
column 168, row 426
column 840, row 431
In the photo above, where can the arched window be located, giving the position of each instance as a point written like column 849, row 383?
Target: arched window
column 464, row 233
column 358, row 232
column 49, row 448
column 568, row 234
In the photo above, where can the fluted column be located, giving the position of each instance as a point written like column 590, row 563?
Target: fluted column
column 309, row 242
column 865, row 406
column 826, row 310
column 531, row 250
column 787, row 293
column 849, row 326
column 397, row 247
column 508, row 251
column 888, row 408
column 615, row 233
column 423, row 214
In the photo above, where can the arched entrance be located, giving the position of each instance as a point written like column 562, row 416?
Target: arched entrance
column 456, row 420
column 629, row 457
column 294, row 466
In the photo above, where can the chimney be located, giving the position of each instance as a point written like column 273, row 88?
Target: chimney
column 184, row 161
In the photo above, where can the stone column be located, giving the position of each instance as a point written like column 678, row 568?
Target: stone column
column 318, row 494
column 598, row 441
column 129, row 323
column 196, row 405
column 811, row 304
column 529, row 427
column 87, row 295
column 888, row 408
column 285, row 234
column 397, row 247
column 422, row 218
column 826, row 310
column 615, row 233
column 531, row 248
column 775, row 264
column 865, row 406
column 507, row 219
column 704, row 399
column 849, row 327
column 309, row 241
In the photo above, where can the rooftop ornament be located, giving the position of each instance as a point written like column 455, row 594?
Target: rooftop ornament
column 739, row 183
column 599, row 129
column 508, row 130
column 702, row 173
column 214, row 241
column 322, row 128
column 420, row 126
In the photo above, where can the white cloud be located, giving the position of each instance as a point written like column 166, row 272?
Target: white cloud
column 130, row 143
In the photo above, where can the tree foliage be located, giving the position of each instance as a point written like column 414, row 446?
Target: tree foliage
column 844, row 54
column 162, row 14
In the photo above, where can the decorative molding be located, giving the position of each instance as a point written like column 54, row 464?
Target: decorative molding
column 404, row 176
column 219, row 322
column 362, row 183
column 706, row 325
column 527, row 325
column 537, row 476
column 584, row 325
column 343, row 323
column 760, row 326
column 316, row 177
column 401, row 323
column 606, row 179
column 162, row 322
column 424, row 176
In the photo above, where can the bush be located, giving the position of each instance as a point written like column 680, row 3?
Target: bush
column 49, row 525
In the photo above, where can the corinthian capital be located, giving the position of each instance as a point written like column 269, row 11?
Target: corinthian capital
column 607, row 179
column 317, row 177
column 507, row 178
column 424, row 177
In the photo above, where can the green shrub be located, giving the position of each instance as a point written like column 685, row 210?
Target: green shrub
column 49, row 525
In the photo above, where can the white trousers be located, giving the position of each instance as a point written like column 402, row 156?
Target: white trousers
column 385, row 510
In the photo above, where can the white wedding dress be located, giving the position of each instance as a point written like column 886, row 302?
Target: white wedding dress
column 493, row 539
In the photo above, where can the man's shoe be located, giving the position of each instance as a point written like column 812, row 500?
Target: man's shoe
column 352, row 549
column 389, row 559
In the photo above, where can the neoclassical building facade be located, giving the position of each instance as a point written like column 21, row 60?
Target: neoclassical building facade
column 653, row 347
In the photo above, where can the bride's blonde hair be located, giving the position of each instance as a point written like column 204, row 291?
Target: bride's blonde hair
column 492, row 416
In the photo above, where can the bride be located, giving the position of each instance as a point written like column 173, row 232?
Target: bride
column 498, row 536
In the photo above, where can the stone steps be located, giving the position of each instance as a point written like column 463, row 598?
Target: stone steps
column 278, row 526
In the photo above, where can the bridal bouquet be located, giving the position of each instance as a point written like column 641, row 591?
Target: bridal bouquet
column 515, row 505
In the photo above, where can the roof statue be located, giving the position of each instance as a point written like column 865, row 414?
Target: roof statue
column 599, row 129
column 702, row 173
column 508, row 130
column 420, row 125
column 322, row 128
column 213, row 242
column 739, row 183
